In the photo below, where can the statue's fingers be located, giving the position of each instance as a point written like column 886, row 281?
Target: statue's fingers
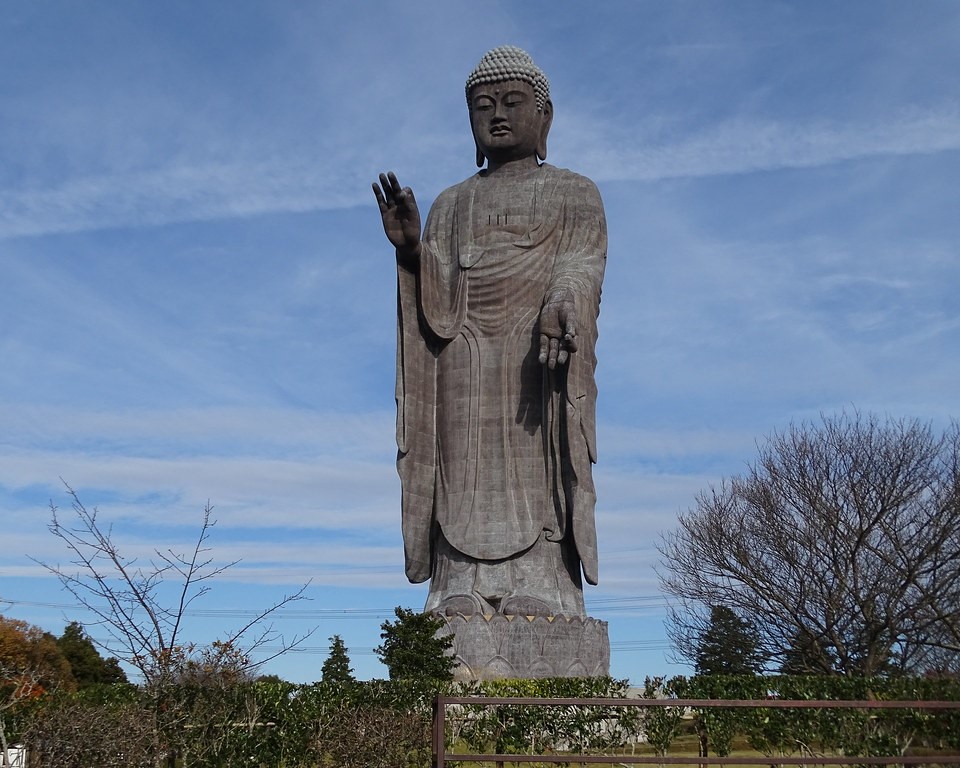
column 409, row 199
column 570, row 341
column 562, row 356
column 544, row 348
column 554, row 351
column 378, row 193
column 394, row 183
column 387, row 192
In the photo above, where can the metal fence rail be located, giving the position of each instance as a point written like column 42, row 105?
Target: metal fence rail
column 441, row 758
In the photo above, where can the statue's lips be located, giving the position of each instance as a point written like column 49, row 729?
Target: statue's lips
column 500, row 130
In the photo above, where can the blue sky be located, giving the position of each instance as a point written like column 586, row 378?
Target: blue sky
column 198, row 300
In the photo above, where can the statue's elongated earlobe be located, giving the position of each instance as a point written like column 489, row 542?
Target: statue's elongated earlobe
column 544, row 130
column 480, row 157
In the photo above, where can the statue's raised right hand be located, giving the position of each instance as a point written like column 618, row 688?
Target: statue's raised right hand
column 401, row 217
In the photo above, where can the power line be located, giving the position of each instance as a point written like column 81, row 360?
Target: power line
column 245, row 613
column 605, row 604
column 626, row 646
column 631, row 599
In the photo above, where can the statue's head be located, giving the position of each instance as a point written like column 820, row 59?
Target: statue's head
column 508, row 97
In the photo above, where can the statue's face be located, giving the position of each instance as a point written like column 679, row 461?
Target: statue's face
column 506, row 122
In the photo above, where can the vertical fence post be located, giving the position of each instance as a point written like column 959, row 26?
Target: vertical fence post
column 439, row 732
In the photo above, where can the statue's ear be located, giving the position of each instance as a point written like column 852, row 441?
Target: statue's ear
column 480, row 157
column 545, row 124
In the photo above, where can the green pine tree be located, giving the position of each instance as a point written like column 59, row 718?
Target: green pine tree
column 728, row 646
column 88, row 666
column 336, row 669
column 411, row 648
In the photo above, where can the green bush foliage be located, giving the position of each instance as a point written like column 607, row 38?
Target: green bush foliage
column 518, row 729
column 388, row 722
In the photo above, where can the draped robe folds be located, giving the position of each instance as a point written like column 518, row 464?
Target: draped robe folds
column 495, row 449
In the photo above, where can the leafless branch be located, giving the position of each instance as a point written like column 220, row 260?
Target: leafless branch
column 126, row 595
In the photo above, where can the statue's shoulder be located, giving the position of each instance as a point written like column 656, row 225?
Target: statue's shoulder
column 565, row 175
column 567, row 182
column 448, row 197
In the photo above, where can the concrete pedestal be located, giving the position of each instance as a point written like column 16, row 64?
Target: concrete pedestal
column 497, row 646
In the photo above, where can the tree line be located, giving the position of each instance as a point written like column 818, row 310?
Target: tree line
column 387, row 723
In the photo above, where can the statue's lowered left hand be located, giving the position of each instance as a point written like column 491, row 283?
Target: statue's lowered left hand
column 558, row 331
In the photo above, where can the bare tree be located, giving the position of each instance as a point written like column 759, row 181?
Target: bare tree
column 141, row 607
column 840, row 544
column 128, row 596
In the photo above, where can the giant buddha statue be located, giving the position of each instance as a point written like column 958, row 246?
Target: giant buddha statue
column 496, row 399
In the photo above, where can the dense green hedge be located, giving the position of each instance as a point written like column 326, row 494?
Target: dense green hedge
column 512, row 729
column 773, row 731
column 370, row 724
column 387, row 723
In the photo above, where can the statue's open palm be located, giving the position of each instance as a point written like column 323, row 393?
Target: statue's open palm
column 398, row 209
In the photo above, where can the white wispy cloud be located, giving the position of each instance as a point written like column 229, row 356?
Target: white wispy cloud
column 206, row 191
column 297, row 432
column 252, row 491
column 744, row 146
column 180, row 193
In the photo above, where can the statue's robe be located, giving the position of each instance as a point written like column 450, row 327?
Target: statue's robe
column 495, row 449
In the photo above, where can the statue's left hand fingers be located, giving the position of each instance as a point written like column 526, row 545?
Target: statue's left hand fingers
column 554, row 353
column 544, row 348
column 568, row 315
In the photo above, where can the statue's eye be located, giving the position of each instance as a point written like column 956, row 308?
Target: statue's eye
column 514, row 99
column 483, row 105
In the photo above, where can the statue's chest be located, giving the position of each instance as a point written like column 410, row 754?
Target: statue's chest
column 501, row 228
column 502, row 210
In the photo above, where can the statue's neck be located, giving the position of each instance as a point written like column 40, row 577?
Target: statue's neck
column 507, row 168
